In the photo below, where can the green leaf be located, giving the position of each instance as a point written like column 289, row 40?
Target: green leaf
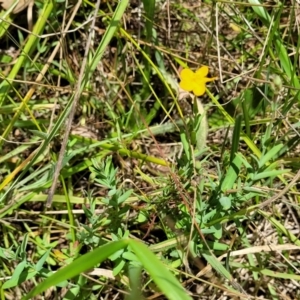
column 42, row 260
column 269, row 174
column 216, row 265
column 15, row 278
column 185, row 145
column 120, row 263
column 159, row 273
column 217, row 231
column 225, row 202
column 260, row 11
column 236, row 137
column 78, row 266
column 232, row 174
column 269, row 155
column 201, row 128
column 149, row 7
column 135, row 275
column 125, row 196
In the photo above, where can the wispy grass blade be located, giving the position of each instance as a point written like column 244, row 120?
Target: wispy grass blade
column 113, row 25
column 279, row 46
column 7, row 82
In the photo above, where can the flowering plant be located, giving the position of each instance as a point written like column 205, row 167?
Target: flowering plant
column 195, row 81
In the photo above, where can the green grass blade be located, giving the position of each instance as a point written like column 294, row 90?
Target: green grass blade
column 109, row 33
column 280, row 227
column 269, row 155
column 149, row 7
column 232, row 174
column 78, row 266
column 158, row 272
column 217, row 265
column 248, row 98
column 236, row 137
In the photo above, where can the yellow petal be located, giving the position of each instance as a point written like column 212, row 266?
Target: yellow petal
column 187, row 74
column 202, row 72
column 186, row 85
column 199, row 89
column 209, row 79
column 235, row 28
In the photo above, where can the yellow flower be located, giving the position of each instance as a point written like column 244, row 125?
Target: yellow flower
column 195, row 81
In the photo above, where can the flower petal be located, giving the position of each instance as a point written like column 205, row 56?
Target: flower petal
column 206, row 79
column 202, row 72
column 186, row 85
column 187, row 74
column 199, row 89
